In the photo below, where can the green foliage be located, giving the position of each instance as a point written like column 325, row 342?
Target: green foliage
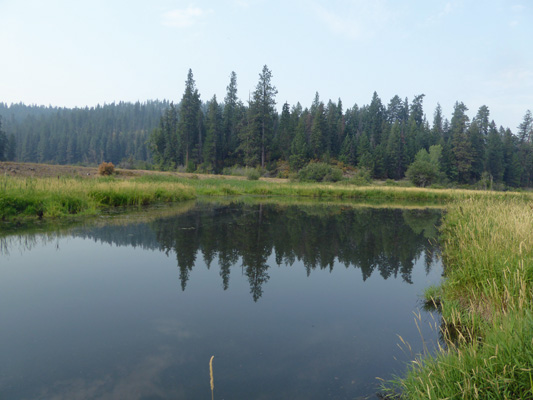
column 425, row 170
column 319, row 172
column 362, row 177
column 422, row 173
column 53, row 198
column 253, row 174
column 486, row 305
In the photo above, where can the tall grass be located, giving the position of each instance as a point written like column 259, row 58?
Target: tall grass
column 49, row 197
column 487, row 306
column 340, row 190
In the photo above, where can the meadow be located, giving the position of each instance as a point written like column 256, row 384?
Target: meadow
column 26, row 198
column 486, row 299
column 46, row 197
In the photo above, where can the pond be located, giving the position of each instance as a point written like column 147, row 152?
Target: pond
column 294, row 301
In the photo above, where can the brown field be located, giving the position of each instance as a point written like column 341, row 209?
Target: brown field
column 18, row 169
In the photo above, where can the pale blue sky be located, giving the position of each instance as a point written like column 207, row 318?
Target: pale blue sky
column 78, row 53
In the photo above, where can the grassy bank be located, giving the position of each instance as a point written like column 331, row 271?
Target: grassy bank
column 64, row 196
column 340, row 190
column 487, row 306
column 58, row 197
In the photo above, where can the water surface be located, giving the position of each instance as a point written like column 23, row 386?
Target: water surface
column 294, row 302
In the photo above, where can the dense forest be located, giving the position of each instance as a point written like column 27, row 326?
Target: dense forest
column 389, row 141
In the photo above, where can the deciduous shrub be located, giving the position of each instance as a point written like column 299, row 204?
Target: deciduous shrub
column 319, row 172
column 106, row 169
column 252, row 174
column 362, row 177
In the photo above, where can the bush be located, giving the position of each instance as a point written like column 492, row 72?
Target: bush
column 362, row 177
column 106, row 169
column 252, row 174
column 235, row 170
column 319, row 172
column 422, row 173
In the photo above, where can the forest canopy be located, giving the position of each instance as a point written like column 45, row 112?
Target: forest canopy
column 388, row 140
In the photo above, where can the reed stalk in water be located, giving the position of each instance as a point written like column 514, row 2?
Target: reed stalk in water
column 212, row 382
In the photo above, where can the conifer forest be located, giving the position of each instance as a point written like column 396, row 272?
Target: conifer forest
column 388, row 139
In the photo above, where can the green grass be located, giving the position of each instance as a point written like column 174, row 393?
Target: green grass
column 339, row 190
column 49, row 197
column 486, row 303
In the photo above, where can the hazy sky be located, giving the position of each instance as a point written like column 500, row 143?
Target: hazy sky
column 78, row 53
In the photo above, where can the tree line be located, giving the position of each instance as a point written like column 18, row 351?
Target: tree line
column 389, row 140
column 112, row 132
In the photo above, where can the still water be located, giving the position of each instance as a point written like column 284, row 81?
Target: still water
column 293, row 302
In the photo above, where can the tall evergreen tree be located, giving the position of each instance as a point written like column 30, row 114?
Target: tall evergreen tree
column 231, row 119
column 212, row 149
column 395, row 110
column 461, row 145
column 495, row 156
column 374, row 120
column 318, row 132
column 11, row 151
column 513, row 171
column 525, row 129
column 189, row 119
column 3, row 143
column 286, row 132
column 262, row 112
column 397, row 161
column 299, row 148
column 437, row 129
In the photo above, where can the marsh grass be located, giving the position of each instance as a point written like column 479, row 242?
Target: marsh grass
column 486, row 303
column 52, row 197
column 49, row 197
column 339, row 190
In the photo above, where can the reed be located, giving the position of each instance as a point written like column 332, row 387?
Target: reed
column 49, row 197
column 211, row 380
column 340, row 190
column 487, row 306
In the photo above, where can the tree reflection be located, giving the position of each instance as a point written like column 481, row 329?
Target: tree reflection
column 386, row 240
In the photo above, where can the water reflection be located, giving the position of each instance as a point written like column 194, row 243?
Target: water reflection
column 294, row 302
column 386, row 240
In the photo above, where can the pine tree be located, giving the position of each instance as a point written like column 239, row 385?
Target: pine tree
column 513, row 171
column 461, row 145
column 396, row 153
column 299, row 149
column 395, row 110
column 11, row 151
column 348, row 152
column 374, row 120
column 495, row 159
column 318, row 132
column 189, row 111
column 437, row 129
column 230, row 118
column 286, row 132
column 525, row 129
column 262, row 113
column 213, row 136
column 3, row 143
